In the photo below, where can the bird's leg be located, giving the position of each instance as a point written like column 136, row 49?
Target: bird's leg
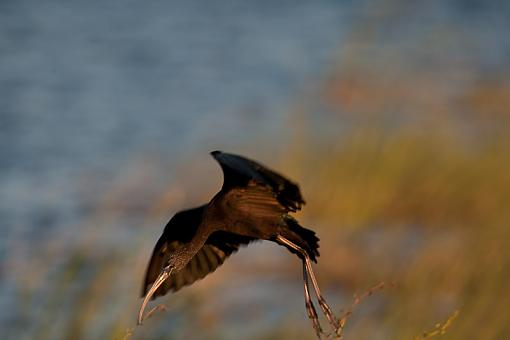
column 165, row 273
column 310, row 309
column 308, row 268
column 322, row 302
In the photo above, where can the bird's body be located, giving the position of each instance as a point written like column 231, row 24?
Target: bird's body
column 253, row 204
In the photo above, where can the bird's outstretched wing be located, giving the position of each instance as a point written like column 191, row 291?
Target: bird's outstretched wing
column 179, row 231
column 256, row 200
column 238, row 171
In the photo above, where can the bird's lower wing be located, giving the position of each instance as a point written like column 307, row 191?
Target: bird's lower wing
column 218, row 247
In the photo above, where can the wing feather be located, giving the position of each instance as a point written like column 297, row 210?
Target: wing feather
column 215, row 251
column 238, row 171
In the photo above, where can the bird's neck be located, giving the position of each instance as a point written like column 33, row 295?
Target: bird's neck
column 188, row 251
column 199, row 239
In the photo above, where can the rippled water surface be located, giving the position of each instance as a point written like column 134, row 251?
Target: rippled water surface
column 86, row 86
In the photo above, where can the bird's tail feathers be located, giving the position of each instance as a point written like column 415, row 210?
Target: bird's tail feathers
column 304, row 238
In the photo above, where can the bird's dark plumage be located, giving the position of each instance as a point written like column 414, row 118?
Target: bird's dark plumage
column 178, row 231
column 252, row 190
column 238, row 171
column 254, row 203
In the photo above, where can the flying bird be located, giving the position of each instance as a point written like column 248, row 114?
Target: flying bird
column 254, row 203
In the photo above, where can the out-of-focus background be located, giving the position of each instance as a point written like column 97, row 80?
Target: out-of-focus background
column 394, row 117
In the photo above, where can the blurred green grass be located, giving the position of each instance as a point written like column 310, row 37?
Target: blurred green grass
column 441, row 203
column 428, row 197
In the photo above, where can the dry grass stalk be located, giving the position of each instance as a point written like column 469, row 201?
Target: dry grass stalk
column 439, row 328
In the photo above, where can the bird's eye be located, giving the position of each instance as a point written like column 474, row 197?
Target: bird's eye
column 168, row 267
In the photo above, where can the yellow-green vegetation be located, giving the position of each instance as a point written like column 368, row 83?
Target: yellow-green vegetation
column 408, row 177
column 424, row 204
column 437, row 207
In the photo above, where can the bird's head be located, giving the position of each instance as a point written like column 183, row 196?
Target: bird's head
column 176, row 260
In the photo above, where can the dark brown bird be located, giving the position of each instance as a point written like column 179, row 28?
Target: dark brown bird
column 253, row 204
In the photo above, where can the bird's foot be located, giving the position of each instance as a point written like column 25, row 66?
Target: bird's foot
column 333, row 321
column 312, row 315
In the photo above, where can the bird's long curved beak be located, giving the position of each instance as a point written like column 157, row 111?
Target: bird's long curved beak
column 159, row 281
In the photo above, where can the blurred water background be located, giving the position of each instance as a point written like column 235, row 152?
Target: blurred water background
column 393, row 115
